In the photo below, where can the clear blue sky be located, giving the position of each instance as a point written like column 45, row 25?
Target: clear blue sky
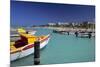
column 35, row 13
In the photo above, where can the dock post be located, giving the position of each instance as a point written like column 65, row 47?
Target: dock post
column 36, row 53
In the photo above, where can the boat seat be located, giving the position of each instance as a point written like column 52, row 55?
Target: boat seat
column 20, row 43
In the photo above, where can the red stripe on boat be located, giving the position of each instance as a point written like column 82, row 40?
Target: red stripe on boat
column 30, row 46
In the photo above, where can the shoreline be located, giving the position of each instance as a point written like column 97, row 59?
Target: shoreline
column 62, row 29
column 70, row 29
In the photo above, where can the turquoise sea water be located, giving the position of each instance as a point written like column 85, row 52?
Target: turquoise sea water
column 61, row 49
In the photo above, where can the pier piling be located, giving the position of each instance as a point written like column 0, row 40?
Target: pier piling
column 36, row 53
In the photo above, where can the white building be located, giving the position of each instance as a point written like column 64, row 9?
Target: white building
column 51, row 24
column 65, row 23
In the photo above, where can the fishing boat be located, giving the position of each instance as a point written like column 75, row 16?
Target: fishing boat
column 85, row 34
column 25, row 46
column 60, row 31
